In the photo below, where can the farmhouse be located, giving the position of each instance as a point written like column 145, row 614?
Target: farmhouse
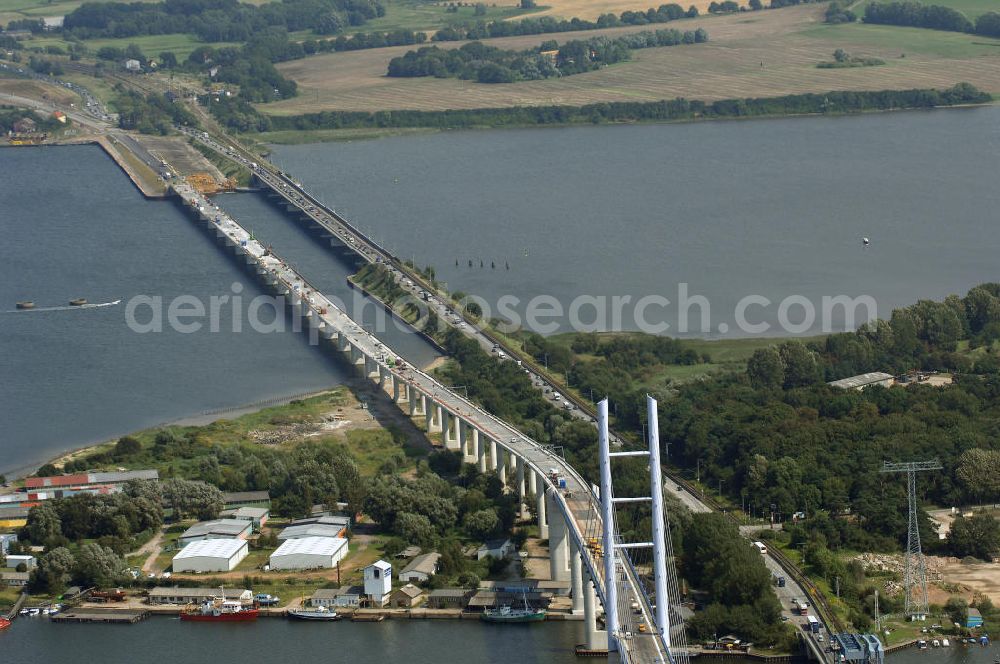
column 421, row 568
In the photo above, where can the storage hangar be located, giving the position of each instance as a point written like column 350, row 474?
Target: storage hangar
column 309, row 553
column 212, row 555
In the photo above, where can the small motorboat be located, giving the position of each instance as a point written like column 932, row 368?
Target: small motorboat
column 25, row 304
column 317, row 613
column 945, row 642
column 78, row 302
column 935, row 643
column 865, row 241
column 4, row 624
column 922, row 644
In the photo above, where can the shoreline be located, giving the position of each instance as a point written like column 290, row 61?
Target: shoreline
column 350, row 134
column 199, row 419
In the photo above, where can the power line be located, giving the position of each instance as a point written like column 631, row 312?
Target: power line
column 915, row 568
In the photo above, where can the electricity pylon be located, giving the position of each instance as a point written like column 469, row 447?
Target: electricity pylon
column 915, row 569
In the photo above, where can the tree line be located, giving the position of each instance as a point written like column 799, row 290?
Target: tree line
column 240, row 116
column 488, row 64
column 936, row 17
column 215, row 20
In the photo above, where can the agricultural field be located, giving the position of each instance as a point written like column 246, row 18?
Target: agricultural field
column 591, row 9
column 430, row 16
column 762, row 54
column 971, row 8
column 151, row 45
column 35, row 90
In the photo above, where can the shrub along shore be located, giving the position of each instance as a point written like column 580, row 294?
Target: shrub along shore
column 243, row 117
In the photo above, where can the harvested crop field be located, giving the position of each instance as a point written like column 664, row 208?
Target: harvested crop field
column 35, row 90
column 760, row 54
column 591, row 9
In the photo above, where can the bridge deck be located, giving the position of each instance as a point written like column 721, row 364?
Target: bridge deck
column 581, row 508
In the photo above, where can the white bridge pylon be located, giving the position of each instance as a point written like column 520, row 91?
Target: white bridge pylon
column 617, row 565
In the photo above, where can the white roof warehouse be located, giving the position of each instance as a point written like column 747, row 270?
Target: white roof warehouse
column 309, row 553
column 213, row 555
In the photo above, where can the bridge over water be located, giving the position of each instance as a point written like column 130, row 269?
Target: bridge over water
column 569, row 509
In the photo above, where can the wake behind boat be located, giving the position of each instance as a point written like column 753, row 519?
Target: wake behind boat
column 71, row 307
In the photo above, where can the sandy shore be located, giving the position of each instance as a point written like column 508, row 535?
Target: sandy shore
column 201, row 419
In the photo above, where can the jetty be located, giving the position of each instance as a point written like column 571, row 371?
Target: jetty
column 89, row 615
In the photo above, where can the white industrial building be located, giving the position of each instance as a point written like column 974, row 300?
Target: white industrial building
column 213, row 555
column 309, row 553
column 378, row 583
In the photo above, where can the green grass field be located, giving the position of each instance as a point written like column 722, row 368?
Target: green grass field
column 932, row 43
column 971, row 8
column 151, row 45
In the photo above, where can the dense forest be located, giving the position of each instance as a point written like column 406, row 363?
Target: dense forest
column 240, row 116
column 216, row 20
column 782, row 440
column 935, row 17
column 488, row 64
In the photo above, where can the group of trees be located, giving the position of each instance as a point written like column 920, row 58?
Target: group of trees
column 488, row 64
column 216, row 20
column 721, row 563
column 91, row 565
column 149, row 114
column 428, row 509
column 935, row 17
column 9, row 116
column 837, row 13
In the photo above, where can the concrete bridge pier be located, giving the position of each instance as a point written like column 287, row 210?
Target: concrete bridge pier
column 411, row 396
column 576, row 579
column 396, row 395
column 595, row 639
column 429, row 409
column 463, row 442
column 519, row 471
column 480, row 441
column 437, row 413
column 502, row 465
column 540, row 507
column 343, row 345
column 558, row 541
column 494, row 451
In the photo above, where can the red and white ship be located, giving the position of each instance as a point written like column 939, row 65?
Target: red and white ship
column 220, row 609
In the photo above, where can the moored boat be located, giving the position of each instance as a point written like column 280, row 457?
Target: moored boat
column 317, row 613
column 220, row 610
column 25, row 304
column 508, row 614
column 4, row 624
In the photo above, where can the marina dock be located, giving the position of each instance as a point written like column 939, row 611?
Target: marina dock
column 87, row 615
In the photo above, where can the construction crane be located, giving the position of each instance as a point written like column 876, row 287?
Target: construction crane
column 915, row 568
